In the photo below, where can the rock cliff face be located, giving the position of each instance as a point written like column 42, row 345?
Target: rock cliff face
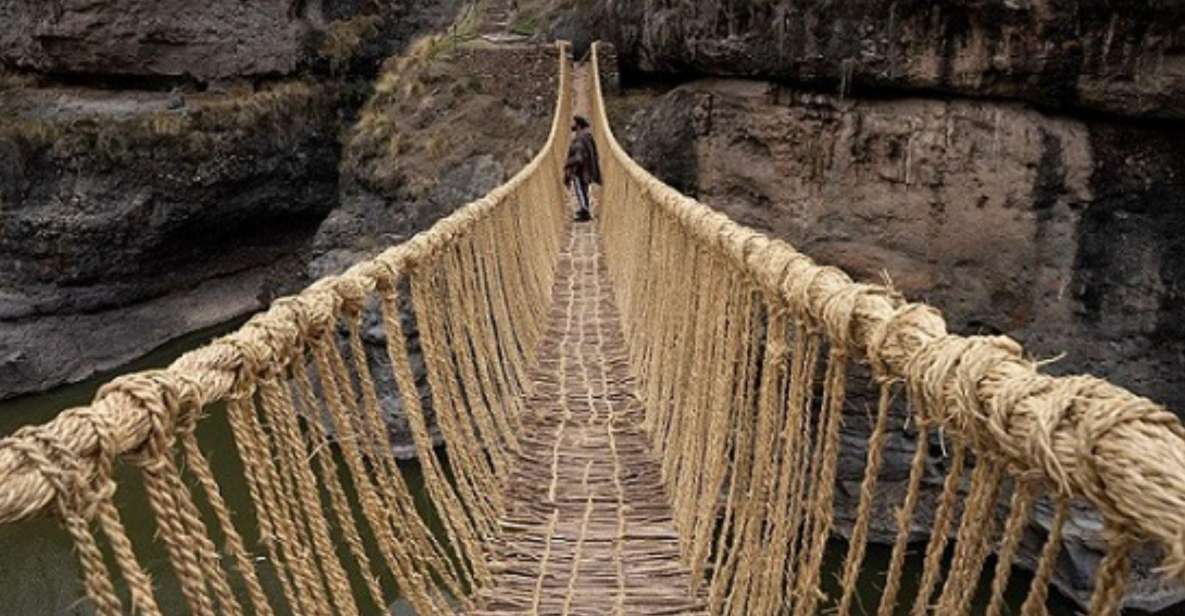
column 164, row 166
column 446, row 124
column 1053, row 230
column 120, row 233
column 199, row 41
column 173, row 38
column 1126, row 58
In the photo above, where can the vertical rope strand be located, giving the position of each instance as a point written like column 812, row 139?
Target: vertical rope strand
column 1034, row 604
column 904, row 518
column 940, row 530
column 834, row 388
column 859, row 538
column 1018, row 516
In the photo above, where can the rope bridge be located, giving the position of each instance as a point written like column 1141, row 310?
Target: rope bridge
column 639, row 416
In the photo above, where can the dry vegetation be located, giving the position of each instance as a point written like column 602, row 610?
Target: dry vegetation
column 281, row 112
column 345, row 38
column 12, row 80
column 387, row 127
column 432, row 107
column 535, row 16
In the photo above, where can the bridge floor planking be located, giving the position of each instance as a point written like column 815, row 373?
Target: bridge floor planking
column 587, row 527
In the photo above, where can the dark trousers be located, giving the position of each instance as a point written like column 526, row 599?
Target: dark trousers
column 581, row 188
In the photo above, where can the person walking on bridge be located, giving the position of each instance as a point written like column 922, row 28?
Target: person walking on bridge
column 582, row 168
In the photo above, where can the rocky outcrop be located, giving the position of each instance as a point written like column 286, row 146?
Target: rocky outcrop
column 1126, row 58
column 164, row 166
column 1057, row 231
column 171, row 38
column 202, row 41
column 122, row 231
column 446, row 124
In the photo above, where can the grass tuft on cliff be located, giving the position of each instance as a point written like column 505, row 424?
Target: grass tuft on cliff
column 344, row 39
column 282, row 111
column 13, row 80
column 447, row 100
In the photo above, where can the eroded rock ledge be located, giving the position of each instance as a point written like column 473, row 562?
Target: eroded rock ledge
column 164, row 166
column 1124, row 58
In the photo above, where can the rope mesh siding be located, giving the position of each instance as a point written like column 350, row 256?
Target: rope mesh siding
column 280, row 411
column 733, row 323
column 744, row 404
column 1075, row 437
column 397, row 498
column 725, row 329
column 791, row 498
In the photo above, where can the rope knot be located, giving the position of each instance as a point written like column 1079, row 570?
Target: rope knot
column 736, row 244
column 839, row 307
column 297, row 314
column 250, row 360
column 61, row 468
column 1100, row 409
column 317, row 307
column 393, row 262
column 278, row 331
column 888, row 334
column 798, row 274
column 1023, row 405
column 926, row 372
column 353, row 295
column 104, row 427
column 161, row 395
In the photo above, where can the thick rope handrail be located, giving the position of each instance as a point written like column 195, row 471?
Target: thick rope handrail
column 219, row 370
column 1086, row 437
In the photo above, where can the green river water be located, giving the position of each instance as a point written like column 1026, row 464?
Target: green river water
column 39, row 574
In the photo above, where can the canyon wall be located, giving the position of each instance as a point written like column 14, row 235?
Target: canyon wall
column 121, row 232
column 1060, row 232
column 1126, row 58
column 174, row 38
column 164, row 166
column 198, row 41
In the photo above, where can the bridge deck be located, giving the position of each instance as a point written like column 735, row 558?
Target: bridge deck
column 587, row 528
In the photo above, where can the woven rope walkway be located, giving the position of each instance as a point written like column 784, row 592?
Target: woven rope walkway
column 587, row 529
